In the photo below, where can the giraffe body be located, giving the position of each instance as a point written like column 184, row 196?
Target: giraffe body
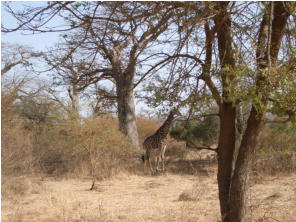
column 158, row 141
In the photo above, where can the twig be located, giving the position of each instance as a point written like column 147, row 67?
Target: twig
column 192, row 145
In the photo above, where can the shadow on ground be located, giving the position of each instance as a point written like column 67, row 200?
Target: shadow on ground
column 191, row 167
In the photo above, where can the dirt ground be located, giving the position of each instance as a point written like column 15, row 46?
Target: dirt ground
column 187, row 192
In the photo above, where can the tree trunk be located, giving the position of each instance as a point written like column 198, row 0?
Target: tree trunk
column 239, row 125
column 75, row 102
column 74, row 96
column 227, row 108
column 240, row 180
column 225, row 155
column 126, row 108
column 271, row 32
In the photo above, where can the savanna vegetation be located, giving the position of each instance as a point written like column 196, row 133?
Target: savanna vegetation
column 68, row 112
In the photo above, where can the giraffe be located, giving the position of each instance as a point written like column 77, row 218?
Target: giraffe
column 158, row 141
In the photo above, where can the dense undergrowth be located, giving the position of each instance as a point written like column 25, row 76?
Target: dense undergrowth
column 39, row 138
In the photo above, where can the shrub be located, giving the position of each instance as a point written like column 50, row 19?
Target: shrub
column 277, row 151
column 206, row 131
column 146, row 127
column 16, row 142
column 107, row 149
column 17, row 148
column 38, row 138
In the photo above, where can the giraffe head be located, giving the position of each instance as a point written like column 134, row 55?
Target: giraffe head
column 175, row 112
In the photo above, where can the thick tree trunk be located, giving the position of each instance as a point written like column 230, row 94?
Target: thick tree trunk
column 226, row 148
column 239, row 122
column 240, row 180
column 233, row 183
column 126, row 109
column 227, row 109
column 75, row 102
column 74, row 96
column 271, row 33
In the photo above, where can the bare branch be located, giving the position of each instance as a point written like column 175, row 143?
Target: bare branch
column 193, row 146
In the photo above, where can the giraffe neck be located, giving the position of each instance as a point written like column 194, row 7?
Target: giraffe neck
column 163, row 131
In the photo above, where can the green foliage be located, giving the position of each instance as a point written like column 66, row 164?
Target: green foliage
column 206, row 130
column 284, row 99
column 279, row 137
column 38, row 111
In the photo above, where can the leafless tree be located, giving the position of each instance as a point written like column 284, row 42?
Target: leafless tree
column 113, row 37
column 14, row 55
column 228, row 51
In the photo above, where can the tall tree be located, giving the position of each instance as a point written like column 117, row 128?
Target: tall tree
column 246, row 70
column 272, row 29
column 235, row 65
column 233, row 173
column 113, row 35
column 14, row 55
column 121, row 44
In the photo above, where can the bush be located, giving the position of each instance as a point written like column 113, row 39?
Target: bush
column 16, row 142
column 38, row 138
column 107, row 149
column 17, row 148
column 206, row 131
column 277, row 152
column 146, row 127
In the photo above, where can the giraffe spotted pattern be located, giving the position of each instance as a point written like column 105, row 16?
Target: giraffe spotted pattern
column 158, row 141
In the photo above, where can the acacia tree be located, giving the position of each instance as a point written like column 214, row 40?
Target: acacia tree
column 113, row 37
column 233, row 182
column 235, row 65
column 248, row 70
column 121, row 46
column 67, row 73
column 271, row 31
column 14, row 55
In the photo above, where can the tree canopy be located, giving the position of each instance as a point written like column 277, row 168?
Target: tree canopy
column 238, row 57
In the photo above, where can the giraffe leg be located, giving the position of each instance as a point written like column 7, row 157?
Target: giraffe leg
column 145, row 162
column 160, row 156
column 158, row 161
column 149, row 160
column 146, row 159
column 163, row 158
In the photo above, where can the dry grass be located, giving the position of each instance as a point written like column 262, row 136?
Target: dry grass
column 18, row 187
column 276, row 162
column 16, row 141
column 146, row 127
column 132, row 198
column 277, row 152
column 188, row 192
column 107, row 149
column 274, row 199
column 127, row 197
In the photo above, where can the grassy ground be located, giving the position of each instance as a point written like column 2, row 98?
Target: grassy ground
column 187, row 192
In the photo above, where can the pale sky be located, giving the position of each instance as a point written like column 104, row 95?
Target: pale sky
column 37, row 41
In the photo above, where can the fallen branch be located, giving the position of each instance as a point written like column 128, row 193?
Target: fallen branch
column 192, row 145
